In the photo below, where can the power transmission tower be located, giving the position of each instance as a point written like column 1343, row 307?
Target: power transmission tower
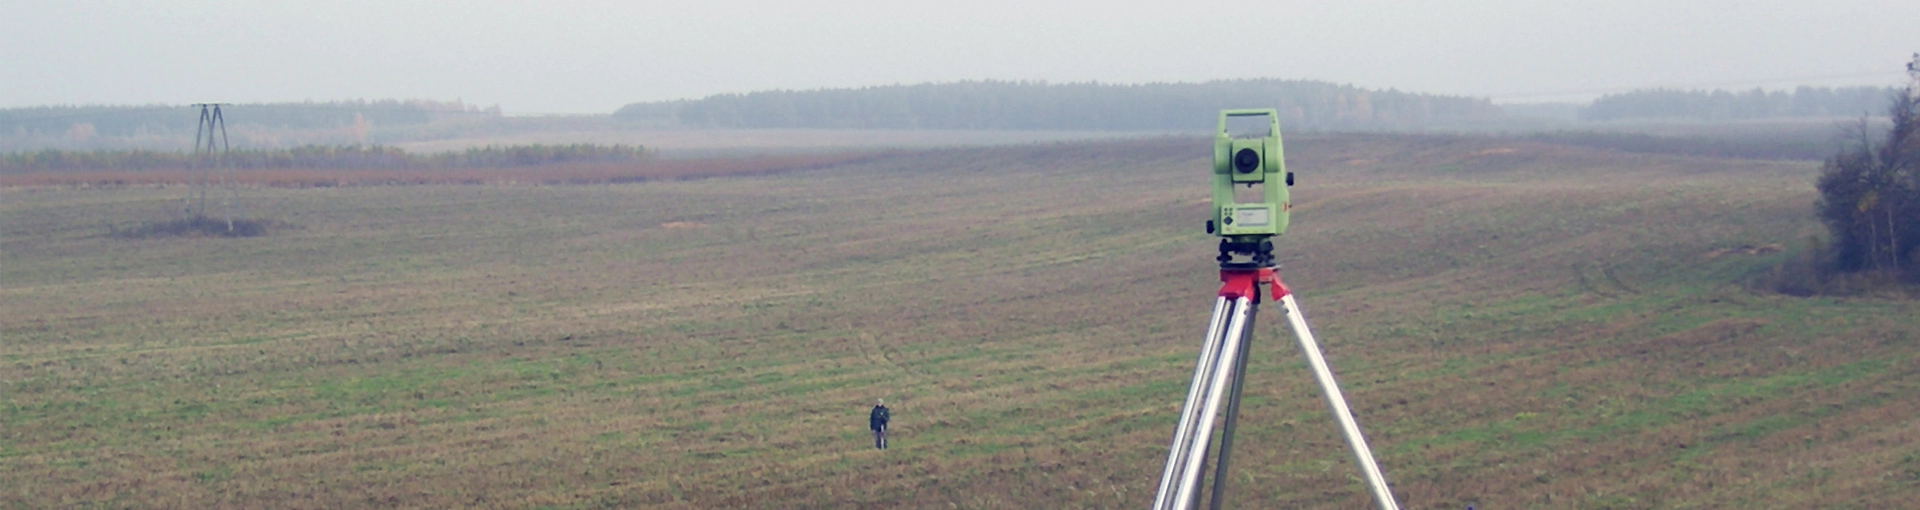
column 211, row 119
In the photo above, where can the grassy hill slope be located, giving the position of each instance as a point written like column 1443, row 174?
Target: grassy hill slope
column 1518, row 325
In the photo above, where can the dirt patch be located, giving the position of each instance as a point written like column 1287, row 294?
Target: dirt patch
column 1743, row 250
column 198, row 226
column 682, row 224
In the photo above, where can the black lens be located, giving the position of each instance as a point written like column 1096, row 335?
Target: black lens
column 1246, row 161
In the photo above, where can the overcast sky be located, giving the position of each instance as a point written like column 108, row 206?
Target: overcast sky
column 594, row 56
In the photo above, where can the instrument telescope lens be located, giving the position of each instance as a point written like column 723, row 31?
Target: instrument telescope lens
column 1246, row 161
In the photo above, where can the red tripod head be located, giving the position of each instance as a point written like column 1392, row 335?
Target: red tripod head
column 1245, row 282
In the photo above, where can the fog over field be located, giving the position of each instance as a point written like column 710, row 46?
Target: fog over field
column 598, row 254
column 595, row 56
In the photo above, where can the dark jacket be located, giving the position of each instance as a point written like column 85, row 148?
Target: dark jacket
column 878, row 419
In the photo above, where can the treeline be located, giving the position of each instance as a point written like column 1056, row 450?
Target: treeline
column 321, row 157
column 157, row 120
column 652, row 169
column 1870, row 196
column 1310, row 105
column 1730, row 105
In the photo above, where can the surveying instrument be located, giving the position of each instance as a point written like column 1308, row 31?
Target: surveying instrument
column 1246, row 230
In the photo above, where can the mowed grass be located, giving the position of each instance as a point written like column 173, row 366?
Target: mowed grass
column 1517, row 326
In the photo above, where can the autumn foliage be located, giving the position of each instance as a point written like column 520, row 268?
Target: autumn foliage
column 1870, row 196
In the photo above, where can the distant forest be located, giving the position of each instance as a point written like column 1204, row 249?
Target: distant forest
column 330, row 157
column 1731, row 105
column 255, row 124
column 1303, row 105
column 1310, row 105
column 135, row 120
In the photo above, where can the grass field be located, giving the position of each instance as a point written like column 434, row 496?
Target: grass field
column 1517, row 325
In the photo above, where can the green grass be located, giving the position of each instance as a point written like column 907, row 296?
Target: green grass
column 1542, row 328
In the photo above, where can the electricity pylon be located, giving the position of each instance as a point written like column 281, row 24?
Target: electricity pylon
column 211, row 119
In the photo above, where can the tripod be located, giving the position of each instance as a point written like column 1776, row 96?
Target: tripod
column 1223, row 362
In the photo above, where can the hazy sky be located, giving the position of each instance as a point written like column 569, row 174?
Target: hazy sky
column 594, row 56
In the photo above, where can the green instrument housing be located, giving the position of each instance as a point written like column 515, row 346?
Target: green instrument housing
column 1246, row 162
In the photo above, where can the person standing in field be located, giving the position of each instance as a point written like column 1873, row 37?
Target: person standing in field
column 877, row 420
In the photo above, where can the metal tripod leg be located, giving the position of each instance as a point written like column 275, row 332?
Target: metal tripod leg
column 1223, row 360
column 1376, row 482
column 1183, row 490
column 1233, row 410
column 1177, row 452
column 1186, row 460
